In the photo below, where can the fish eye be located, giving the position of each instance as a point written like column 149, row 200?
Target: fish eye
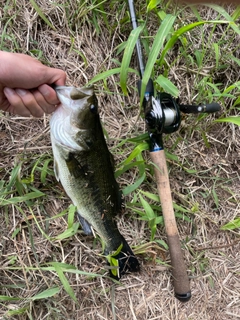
column 94, row 108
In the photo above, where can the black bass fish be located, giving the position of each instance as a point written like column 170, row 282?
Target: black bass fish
column 83, row 165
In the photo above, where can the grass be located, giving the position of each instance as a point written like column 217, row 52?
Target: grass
column 48, row 269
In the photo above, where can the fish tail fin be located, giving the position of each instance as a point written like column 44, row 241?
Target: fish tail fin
column 125, row 261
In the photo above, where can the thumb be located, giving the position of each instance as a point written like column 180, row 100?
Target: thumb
column 56, row 76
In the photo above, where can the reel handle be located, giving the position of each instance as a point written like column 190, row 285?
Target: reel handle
column 207, row 108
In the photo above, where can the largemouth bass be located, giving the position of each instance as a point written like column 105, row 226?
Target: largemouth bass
column 83, row 165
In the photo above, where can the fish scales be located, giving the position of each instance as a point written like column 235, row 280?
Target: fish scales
column 84, row 166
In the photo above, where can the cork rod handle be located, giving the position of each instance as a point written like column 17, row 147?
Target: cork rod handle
column 179, row 272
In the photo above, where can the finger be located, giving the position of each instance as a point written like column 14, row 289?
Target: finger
column 43, row 103
column 56, row 76
column 29, row 101
column 16, row 105
column 49, row 94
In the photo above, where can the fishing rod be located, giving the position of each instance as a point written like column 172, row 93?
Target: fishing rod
column 162, row 115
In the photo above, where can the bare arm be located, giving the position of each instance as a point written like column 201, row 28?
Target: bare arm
column 24, row 85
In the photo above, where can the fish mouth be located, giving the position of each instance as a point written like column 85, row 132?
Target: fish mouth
column 71, row 118
column 73, row 93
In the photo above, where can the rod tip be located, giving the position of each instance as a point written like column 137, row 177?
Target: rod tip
column 183, row 297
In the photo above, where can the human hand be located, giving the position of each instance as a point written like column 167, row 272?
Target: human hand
column 24, row 85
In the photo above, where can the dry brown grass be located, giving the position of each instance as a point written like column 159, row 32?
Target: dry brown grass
column 212, row 255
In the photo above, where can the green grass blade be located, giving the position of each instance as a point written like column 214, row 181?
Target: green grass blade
column 127, row 55
column 14, row 176
column 108, row 73
column 235, row 224
column 6, row 298
column 134, row 186
column 104, row 75
column 236, row 13
column 46, row 293
column 45, row 170
column 128, row 167
column 224, row 13
column 15, row 200
column 233, row 119
column 152, row 4
column 159, row 39
column 217, row 54
column 69, row 232
column 147, row 208
column 237, row 102
column 64, row 280
column 71, row 214
column 151, row 196
column 41, row 14
column 167, row 86
column 137, row 150
column 178, row 33
column 19, row 311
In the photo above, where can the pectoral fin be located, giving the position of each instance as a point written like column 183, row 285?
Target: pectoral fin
column 74, row 166
column 87, row 228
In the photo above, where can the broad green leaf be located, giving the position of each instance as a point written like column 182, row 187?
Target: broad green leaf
column 158, row 42
column 152, row 4
column 151, row 196
column 14, row 176
column 171, row 156
column 131, row 42
column 139, row 138
column 163, row 244
column 237, row 102
column 128, row 167
column 41, row 14
column 114, row 262
column 134, row 186
column 69, row 232
column 167, row 86
column 137, row 150
column 71, row 214
column 233, row 119
column 46, row 293
column 148, row 210
column 232, row 225
column 179, row 208
column 44, row 170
